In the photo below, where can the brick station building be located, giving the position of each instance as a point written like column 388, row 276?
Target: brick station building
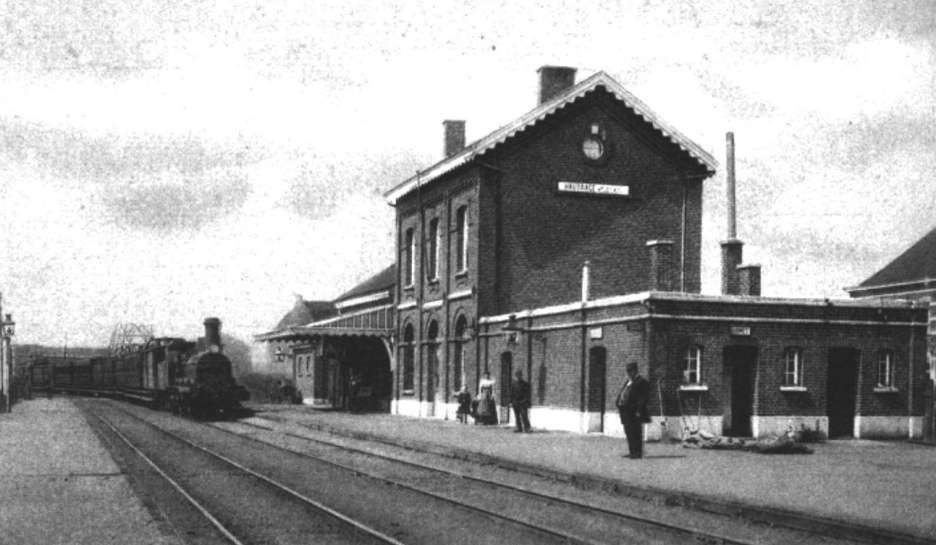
column 567, row 243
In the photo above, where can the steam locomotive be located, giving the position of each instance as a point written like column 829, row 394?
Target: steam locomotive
column 166, row 373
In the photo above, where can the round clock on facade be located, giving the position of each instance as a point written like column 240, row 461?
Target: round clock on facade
column 593, row 148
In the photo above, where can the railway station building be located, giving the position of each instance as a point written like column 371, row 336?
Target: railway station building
column 566, row 244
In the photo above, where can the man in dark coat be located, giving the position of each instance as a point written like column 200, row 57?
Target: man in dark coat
column 520, row 400
column 632, row 405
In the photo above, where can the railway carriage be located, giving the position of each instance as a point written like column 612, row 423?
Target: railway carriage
column 166, row 373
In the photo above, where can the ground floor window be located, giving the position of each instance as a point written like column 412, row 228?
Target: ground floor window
column 408, row 360
column 458, row 360
column 885, row 369
column 692, row 367
column 793, row 367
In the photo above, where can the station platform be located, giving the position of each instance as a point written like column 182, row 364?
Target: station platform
column 847, row 487
column 58, row 484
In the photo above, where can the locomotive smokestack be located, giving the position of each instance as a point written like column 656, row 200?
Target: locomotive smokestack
column 213, row 334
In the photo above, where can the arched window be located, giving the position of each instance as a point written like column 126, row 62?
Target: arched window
column 885, row 369
column 793, row 367
column 692, row 365
column 461, row 244
column 408, row 359
column 459, row 344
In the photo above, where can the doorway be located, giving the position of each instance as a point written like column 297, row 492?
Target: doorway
column 841, row 391
column 434, row 386
column 740, row 367
column 597, row 387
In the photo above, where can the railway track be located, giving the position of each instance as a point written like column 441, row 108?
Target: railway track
column 231, row 528
column 778, row 527
column 537, row 516
column 553, row 512
column 532, row 526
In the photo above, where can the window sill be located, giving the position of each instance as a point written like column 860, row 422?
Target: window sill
column 461, row 274
column 793, row 389
column 886, row 390
column 433, row 282
column 407, row 392
column 409, row 287
column 693, row 388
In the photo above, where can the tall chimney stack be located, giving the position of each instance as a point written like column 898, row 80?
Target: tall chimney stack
column 553, row 80
column 730, row 176
column 732, row 248
column 213, row 334
column 454, row 136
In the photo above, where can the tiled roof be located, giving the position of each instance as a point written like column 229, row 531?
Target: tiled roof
column 306, row 311
column 916, row 264
column 544, row 110
column 382, row 281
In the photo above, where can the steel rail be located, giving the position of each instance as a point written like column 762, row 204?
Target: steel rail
column 566, row 537
column 799, row 522
column 686, row 532
column 296, row 494
column 201, row 509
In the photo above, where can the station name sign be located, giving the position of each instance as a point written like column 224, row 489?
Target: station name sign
column 594, row 189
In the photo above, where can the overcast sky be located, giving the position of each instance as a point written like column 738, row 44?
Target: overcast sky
column 162, row 160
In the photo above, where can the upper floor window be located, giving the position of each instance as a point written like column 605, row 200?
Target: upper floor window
column 885, row 369
column 461, row 249
column 409, row 257
column 793, row 367
column 432, row 268
column 692, row 365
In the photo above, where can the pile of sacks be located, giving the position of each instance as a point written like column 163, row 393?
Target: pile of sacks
column 784, row 444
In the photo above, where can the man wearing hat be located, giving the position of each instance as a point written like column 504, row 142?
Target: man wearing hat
column 632, row 405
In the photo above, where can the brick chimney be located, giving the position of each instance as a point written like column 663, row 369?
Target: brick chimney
column 749, row 279
column 454, row 137
column 212, row 333
column 732, row 248
column 554, row 80
column 731, row 252
column 661, row 265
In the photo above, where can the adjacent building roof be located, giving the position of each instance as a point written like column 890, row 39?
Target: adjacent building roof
column 914, row 268
column 304, row 312
column 376, row 292
column 600, row 79
column 379, row 283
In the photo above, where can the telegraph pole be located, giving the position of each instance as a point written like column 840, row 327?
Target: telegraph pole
column 4, row 376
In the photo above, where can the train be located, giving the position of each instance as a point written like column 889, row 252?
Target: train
column 167, row 373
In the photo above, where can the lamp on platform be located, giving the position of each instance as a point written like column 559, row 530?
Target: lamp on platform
column 512, row 329
column 9, row 326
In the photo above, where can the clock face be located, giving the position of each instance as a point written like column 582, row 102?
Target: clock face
column 593, row 148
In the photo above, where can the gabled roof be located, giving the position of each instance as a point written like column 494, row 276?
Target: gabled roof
column 915, row 265
column 600, row 79
column 381, row 282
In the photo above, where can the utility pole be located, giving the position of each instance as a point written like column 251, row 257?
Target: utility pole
column 7, row 344
column 4, row 377
column 6, row 359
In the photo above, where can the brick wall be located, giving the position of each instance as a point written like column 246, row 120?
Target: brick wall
column 545, row 236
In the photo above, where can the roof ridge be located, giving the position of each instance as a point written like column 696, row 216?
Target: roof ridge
column 570, row 95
